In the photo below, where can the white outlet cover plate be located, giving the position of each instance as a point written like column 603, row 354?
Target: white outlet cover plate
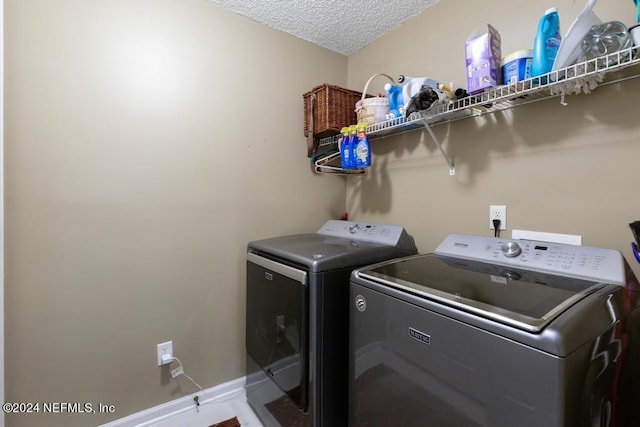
column 498, row 212
column 165, row 348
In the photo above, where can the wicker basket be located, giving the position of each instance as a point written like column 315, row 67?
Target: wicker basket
column 327, row 109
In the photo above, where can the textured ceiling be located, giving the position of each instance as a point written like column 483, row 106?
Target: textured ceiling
column 343, row 26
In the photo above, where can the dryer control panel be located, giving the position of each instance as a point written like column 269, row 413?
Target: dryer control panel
column 584, row 262
column 384, row 234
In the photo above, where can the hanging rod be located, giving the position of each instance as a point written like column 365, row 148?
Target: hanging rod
column 321, row 165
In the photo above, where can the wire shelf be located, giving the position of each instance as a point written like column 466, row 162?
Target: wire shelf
column 582, row 77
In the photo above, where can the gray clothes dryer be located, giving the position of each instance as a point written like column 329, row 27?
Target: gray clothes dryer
column 297, row 318
column 496, row 332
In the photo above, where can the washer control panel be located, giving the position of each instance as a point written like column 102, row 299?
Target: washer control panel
column 585, row 262
column 377, row 233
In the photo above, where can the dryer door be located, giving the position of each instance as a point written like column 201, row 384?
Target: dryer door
column 277, row 324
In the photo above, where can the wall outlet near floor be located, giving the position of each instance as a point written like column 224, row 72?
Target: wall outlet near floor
column 498, row 212
column 165, row 353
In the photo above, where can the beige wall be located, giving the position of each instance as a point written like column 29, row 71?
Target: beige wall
column 570, row 169
column 147, row 142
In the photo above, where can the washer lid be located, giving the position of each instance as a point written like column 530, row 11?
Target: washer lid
column 525, row 299
column 339, row 244
column 321, row 253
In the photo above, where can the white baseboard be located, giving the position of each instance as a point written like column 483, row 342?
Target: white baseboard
column 228, row 391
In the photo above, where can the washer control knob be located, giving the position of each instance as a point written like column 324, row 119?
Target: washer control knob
column 354, row 229
column 511, row 249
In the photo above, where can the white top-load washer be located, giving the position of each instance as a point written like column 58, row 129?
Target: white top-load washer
column 496, row 332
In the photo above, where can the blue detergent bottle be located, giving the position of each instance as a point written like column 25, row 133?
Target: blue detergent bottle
column 352, row 146
column 345, row 155
column 362, row 148
column 546, row 43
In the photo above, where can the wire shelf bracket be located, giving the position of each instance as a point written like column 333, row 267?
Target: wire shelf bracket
column 436, row 141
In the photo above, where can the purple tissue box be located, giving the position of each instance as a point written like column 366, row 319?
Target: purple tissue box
column 483, row 54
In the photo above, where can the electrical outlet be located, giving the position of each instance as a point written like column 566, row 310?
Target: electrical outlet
column 165, row 353
column 498, row 212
